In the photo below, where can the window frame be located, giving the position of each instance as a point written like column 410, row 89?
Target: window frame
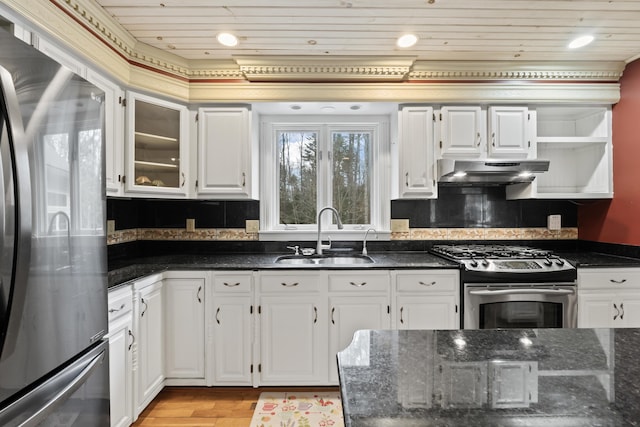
column 377, row 125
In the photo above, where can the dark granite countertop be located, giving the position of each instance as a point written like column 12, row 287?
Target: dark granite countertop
column 598, row 260
column 122, row 272
column 511, row 377
column 127, row 270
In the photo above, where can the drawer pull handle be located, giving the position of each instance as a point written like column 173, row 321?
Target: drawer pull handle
column 617, row 281
column 315, row 311
column 333, row 310
column 357, row 285
column 145, row 307
column 401, row 319
column 426, row 284
column 115, row 310
column 232, row 285
column 289, row 286
column 615, row 316
column 622, row 309
column 133, row 339
column 198, row 295
column 217, row 313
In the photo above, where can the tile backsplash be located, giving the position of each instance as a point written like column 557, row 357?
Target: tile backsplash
column 459, row 213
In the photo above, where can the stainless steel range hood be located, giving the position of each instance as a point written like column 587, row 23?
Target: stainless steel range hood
column 489, row 171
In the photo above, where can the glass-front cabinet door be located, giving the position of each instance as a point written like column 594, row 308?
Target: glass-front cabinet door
column 157, row 146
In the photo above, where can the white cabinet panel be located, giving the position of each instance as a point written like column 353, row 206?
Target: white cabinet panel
column 509, row 132
column 149, row 356
column 609, row 298
column 349, row 314
column 462, row 131
column 427, row 312
column 232, row 339
column 121, row 340
column 417, row 174
column 293, row 338
column 224, row 152
column 184, row 323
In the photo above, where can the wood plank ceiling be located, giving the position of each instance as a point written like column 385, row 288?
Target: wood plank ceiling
column 482, row 30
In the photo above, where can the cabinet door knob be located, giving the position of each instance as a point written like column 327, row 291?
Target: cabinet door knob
column 289, row 286
column 401, row 319
column 115, row 310
column 615, row 316
column 231, row 285
column 357, row 285
column 198, row 295
column 145, row 307
column 244, row 179
column 617, row 281
column 333, row 310
column 315, row 311
column 427, row 284
column 183, row 180
column 406, row 179
column 133, row 339
column 217, row 313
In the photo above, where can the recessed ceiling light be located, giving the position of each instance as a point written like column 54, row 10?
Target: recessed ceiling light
column 407, row 40
column 227, row 39
column 580, row 41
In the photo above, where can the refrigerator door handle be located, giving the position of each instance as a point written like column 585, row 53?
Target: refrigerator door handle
column 13, row 131
column 46, row 398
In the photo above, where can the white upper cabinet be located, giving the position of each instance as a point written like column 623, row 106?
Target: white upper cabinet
column 157, row 147
column 224, row 152
column 417, row 174
column 509, row 132
column 470, row 131
column 113, row 131
column 462, row 131
column 577, row 142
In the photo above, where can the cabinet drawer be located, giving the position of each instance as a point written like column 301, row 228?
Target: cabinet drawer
column 120, row 302
column 354, row 282
column 427, row 281
column 299, row 282
column 609, row 278
column 232, row 283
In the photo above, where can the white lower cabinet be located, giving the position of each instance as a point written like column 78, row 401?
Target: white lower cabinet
column 292, row 311
column 427, row 299
column 184, row 308
column 149, row 348
column 231, row 328
column 609, row 298
column 121, row 341
column 357, row 300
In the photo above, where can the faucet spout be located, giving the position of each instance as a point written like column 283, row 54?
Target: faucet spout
column 364, row 241
column 320, row 246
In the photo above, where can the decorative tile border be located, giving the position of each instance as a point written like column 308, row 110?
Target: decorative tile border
column 239, row 234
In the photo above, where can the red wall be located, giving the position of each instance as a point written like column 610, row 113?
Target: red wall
column 618, row 220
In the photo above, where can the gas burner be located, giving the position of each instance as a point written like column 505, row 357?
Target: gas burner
column 461, row 252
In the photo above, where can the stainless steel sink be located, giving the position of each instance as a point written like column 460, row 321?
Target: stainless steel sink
column 324, row 260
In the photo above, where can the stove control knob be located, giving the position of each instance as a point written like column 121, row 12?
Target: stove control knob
column 485, row 263
column 473, row 263
column 559, row 261
column 548, row 262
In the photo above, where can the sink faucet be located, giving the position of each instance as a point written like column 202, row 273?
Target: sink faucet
column 320, row 246
column 364, row 241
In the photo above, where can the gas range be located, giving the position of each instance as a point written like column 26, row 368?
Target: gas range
column 507, row 262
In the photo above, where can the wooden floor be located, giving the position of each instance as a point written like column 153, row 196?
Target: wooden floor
column 208, row 406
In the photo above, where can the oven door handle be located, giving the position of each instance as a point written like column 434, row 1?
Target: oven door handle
column 486, row 292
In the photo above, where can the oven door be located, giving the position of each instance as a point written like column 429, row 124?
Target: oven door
column 521, row 305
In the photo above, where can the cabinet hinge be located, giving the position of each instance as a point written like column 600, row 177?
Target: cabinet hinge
column 388, row 309
column 528, row 116
column 441, row 145
column 250, row 309
column 440, row 116
column 122, row 101
column 196, row 183
column 197, row 116
column 259, row 367
column 529, row 142
column 456, row 308
column 251, row 369
column 124, row 179
column 259, row 309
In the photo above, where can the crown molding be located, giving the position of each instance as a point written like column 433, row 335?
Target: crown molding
column 313, row 68
column 517, row 70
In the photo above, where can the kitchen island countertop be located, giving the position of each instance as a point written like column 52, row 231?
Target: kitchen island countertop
column 509, row 377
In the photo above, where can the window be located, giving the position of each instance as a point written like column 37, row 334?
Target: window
column 309, row 163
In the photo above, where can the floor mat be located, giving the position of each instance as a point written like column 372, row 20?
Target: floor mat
column 282, row 409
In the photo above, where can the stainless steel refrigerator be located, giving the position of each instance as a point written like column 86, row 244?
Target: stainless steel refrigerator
column 53, row 309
